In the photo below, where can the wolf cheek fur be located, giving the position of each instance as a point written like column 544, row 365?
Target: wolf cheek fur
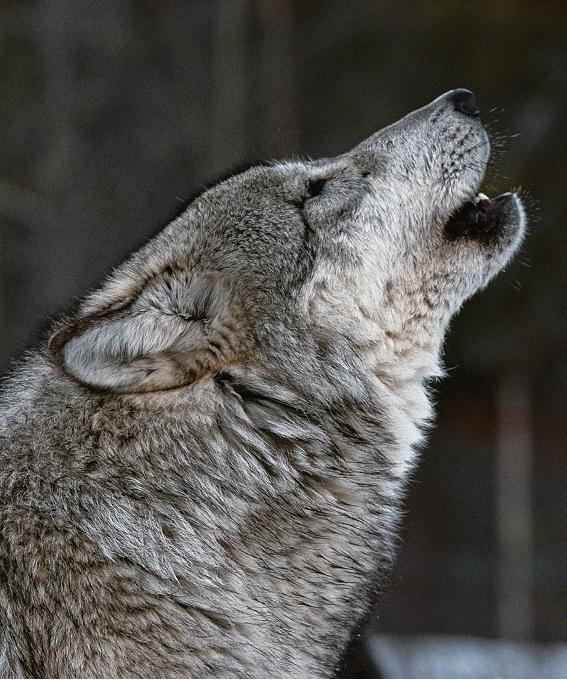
column 202, row 475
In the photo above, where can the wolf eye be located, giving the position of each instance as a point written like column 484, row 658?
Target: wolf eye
column 315, row 187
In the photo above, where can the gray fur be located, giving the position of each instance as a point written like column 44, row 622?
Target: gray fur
column 201, row 474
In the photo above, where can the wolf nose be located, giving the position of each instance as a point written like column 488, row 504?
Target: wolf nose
column 464, row 101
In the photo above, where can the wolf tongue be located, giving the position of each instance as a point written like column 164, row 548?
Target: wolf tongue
column 482, row 201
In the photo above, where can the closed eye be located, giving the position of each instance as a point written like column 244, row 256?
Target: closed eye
column 315, row 187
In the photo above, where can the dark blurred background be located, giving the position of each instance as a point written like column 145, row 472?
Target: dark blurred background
column 113, row 112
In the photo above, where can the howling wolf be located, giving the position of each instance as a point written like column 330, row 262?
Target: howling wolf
column 201, row 471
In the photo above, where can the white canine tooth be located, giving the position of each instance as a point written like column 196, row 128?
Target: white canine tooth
column 480, row 197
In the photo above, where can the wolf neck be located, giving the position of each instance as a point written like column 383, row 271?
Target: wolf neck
column 400, row 347
column 410, row 343
column 398, row 330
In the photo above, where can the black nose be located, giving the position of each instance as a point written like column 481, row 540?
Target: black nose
column 464, row 101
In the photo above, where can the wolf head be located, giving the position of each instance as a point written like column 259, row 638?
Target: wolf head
column 374, row 250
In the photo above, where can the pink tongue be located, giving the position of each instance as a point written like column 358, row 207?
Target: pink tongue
column 482, row 201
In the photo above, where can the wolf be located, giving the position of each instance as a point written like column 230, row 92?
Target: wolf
column 201, row 472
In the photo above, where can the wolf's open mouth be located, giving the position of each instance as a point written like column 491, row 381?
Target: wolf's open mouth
column 479, row 219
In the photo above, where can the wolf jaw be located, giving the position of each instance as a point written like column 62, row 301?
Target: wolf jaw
column 480, row 219
column 468, row 237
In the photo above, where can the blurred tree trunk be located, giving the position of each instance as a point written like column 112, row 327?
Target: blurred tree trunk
column 514, row 508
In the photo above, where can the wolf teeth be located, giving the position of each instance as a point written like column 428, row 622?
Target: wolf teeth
column 480, row 197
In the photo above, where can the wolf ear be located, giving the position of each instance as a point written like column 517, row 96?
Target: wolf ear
column 149, row 345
